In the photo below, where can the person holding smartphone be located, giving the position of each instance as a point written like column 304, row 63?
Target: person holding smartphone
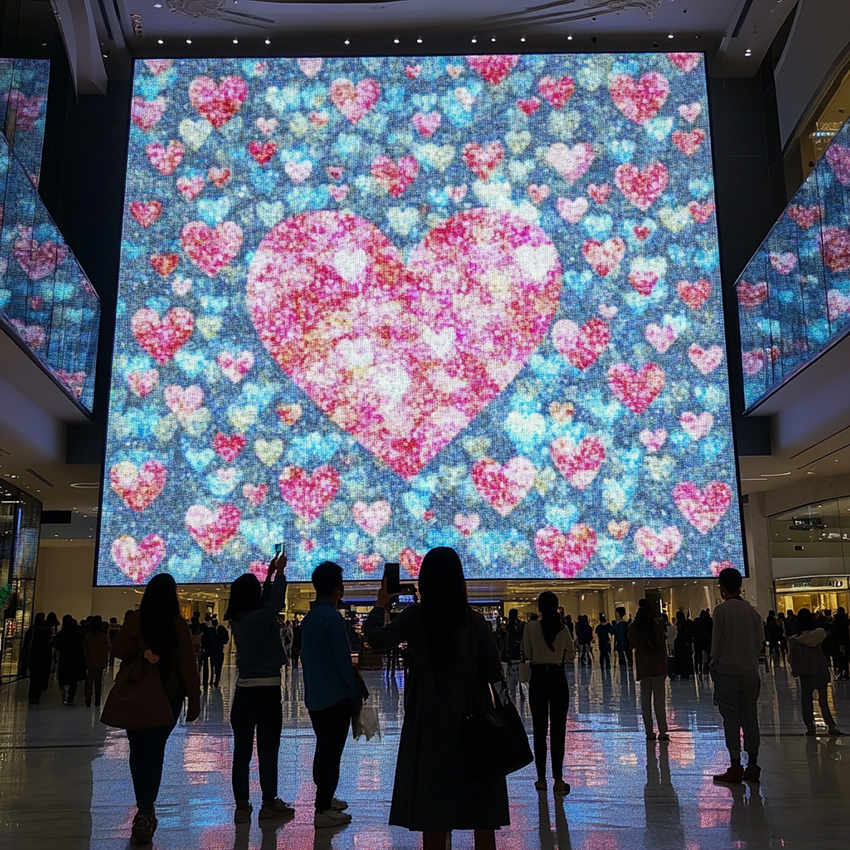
column 252, row 611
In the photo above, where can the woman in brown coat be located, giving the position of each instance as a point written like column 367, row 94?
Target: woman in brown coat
column 646, row 635
column 158, row 632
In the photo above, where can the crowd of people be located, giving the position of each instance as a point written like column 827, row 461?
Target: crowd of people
column 436, row 789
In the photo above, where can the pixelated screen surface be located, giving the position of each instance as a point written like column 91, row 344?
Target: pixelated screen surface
column 373, row 305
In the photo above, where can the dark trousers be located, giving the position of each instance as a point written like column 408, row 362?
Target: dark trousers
column 39, row 677
column 217, row 662
column 331, row 726
column 72, row 690
column 256, row 709
column 549, row 699
column 147, row 755
column 604, row 658
column 737, row 699
column 204, row 668
column 94, row 679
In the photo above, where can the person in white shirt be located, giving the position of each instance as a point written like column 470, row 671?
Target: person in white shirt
column 547, row 645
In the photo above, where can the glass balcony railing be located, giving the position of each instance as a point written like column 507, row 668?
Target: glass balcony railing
column 794, row 295
column 46, row 301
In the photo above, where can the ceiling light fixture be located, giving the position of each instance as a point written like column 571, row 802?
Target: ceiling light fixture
column 160, row 41
column 267, row 41
column 236, row 41
column 474, row 40
column 669, row 35
column 522, row 39
column 419, row 41
column 188, row 41
column 347, row 42
column 569, row 38
column 493, row 38
column 395, row 41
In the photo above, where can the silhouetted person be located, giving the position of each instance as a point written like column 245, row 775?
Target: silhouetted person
column 603, row 638
column 96, row 651
column 646, row 635
column 39, row 656
column 71, row 669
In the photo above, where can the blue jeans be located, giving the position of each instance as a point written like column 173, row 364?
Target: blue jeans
column 147, row 755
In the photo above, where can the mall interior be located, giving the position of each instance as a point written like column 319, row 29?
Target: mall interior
column 778, row 94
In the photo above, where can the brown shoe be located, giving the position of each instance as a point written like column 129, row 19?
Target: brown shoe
column 752, row 773
column 734, row 775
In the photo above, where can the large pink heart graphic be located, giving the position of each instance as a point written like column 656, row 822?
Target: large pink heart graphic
column 504, row 486
column 137, row 559
column 37, row 260
column 641, row 188
column 835, row 248
column 211, row 250
column 581, row 345
column 391, row 352
column 838, row 157
column 162, row 338
column 354, row 101
column 579, row 464
column 702, row 508
column 138, row 486
column 565, row 554
column 308, row 494
column 639, row 100
column 211, row 530
column 659, row 548
column 636, row 390
column 218, row 103
column 494, row 69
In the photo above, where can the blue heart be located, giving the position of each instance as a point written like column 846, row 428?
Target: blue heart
column 198, row 459
column 214, row 212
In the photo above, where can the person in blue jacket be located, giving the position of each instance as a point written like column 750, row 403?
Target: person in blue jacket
column 252, row 611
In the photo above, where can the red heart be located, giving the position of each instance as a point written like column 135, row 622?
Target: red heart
column 138, row 486
column 504, row 486
column 412, row 71
column 411, row 560
column 190, row 187
column 581, row 345
column 752, row 362
column 494, row 69
column 255, row 493
column 706, row 360
column 557, row 92
column 427, row 123
column 146, row 214
column 159, row 66
column 684, row 61
column 528, row 106
column 262, row 151
column 147, row 113
column 483, row 161
column 228, row 448
column 835, row 248
column 641, row 188
column 354, row 101
column 164, row 264
column 604, row 257
column 568, row 554
column 395, row 177
column 218, row 103
column 369, row 563
column 639, row 100
column 211, row 250
column 165, row 159
column 751, row 295
column 688, row 143
column 643, row 281
column 641, row 232
column 137, row 559
column 308, row 495
column 694, row 294
column 659, row 548
column 219, row 176
column 211, row 530
column 703, row 507
column 636, row 390
column 600, row 194
column 805, row 217
column 578, row 464
column 162, row 338
column 143, row 384
column 37, row 260
column 701, row 213
column 399, row 329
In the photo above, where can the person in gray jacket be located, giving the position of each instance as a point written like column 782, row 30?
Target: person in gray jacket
column 736, row 641
column 809, row 665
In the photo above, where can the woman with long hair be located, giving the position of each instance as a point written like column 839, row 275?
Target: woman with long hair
column 647, row 637
column 453, row 660
column 252, row 611
column 160, row 634
column 71, row 669
column 547, row 645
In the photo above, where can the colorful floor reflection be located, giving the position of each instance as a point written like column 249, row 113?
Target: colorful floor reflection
column 64, row 781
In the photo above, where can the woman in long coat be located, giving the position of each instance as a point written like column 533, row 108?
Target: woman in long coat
column 452, row 659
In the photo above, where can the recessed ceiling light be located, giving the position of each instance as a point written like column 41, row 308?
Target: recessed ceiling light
column 157, row 5
column 347, row 41
column 493, row 38
column 160, row 41
column 395, row 41
column 522, row 39
column 669, row 35
column 188, row 41
column 268, row 42
column 236, row 41
column 569, row 38
column 419, row 41
column 474, row 40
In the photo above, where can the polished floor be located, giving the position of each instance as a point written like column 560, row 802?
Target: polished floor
column 64, row 781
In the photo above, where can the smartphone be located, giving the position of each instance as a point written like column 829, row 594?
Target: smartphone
column 392, row 579
column 280, row 549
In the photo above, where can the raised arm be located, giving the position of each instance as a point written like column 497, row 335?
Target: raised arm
column 382, row 637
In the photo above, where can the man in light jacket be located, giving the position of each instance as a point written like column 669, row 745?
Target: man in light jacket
column 736, row 642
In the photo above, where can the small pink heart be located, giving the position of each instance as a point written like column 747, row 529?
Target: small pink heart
column 571, row 209
column 696, row 426
column 702, row 507
column 394, row 176
column 138, row 486
column 372, row 518
column 690, row 111
column 565, row 554
column 784, row 262
column 310, row 67
column 298, row 172
column 503, row 486
column 579, row 464
column 369, row 563
column 581, row 345
column 706, row 360
column 354, row 101
column 162, row 337
column 308, row 494
column 639, row 100
column 466, row 524
column 183, row 401
column 190, row 187
column 212, row 530
column 660, row 337
column 338, row 193
column 653, row 440
column 143, row 384
column 217, row 102
column 641, row 188
column 659, row 548
column 427, row 123
column 211, row 249
column 137, row 559
column 493, row 69
column 636, row 390
column 411, row 560
column 604, row 257
column 255, row 493
column 235, row 366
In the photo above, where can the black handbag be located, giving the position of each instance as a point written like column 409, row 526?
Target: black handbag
column 495, row 742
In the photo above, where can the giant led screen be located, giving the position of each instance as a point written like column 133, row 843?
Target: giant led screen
column 373, row 305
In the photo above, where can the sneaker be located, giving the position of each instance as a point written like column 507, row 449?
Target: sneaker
column 834, row 730
column 733, row 776
column 752, row 773
column 276, row 809
column 339, row 805
column 243, row 813
column 561, row 788
column 540, row 784
column 144, row 826
column 331, row 818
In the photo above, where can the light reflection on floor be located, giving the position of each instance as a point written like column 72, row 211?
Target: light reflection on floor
column 64, row 781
